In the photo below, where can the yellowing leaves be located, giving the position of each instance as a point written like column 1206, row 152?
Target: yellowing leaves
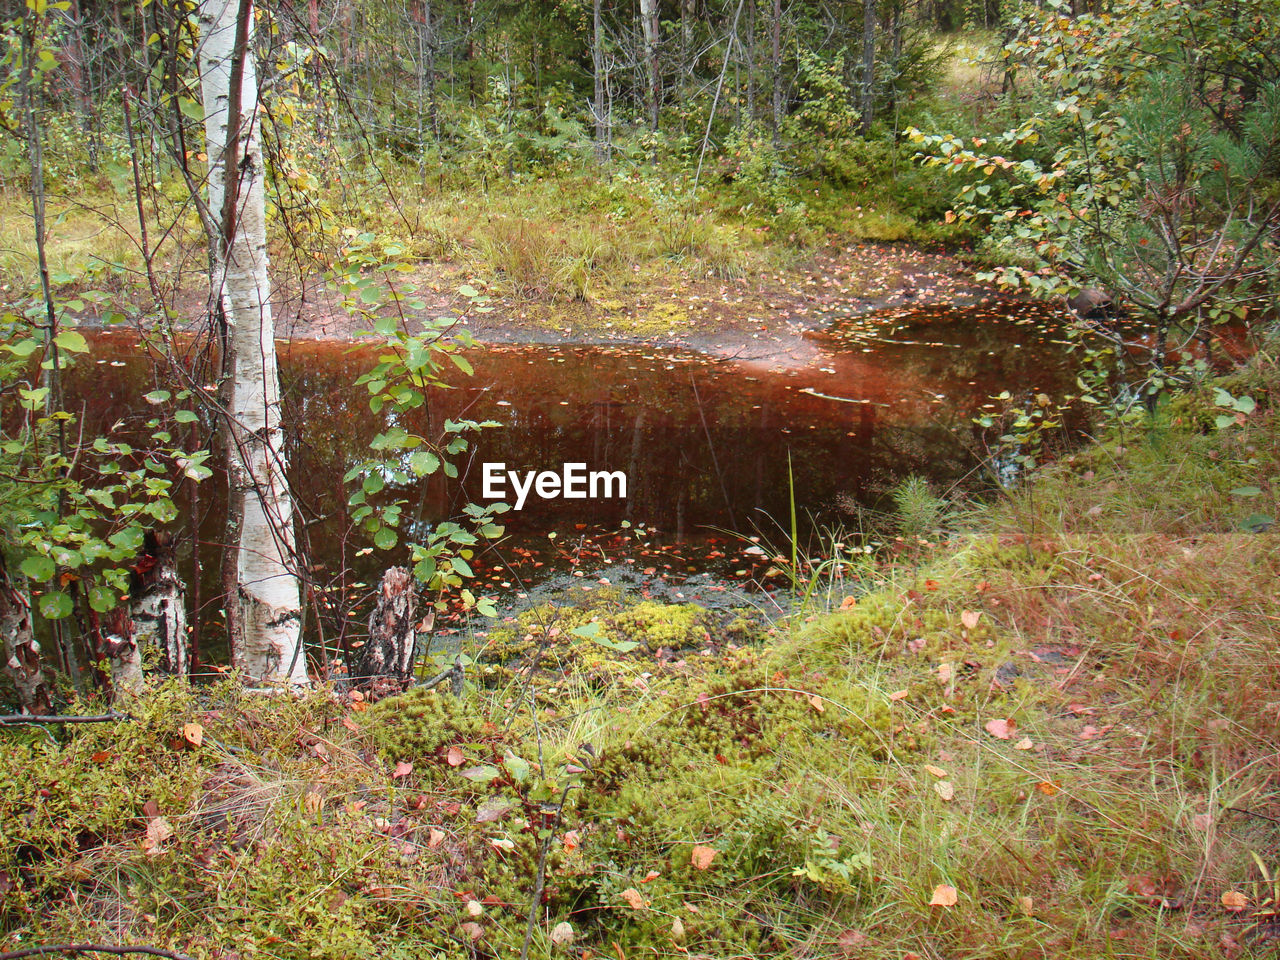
column 945, row 789
column 935, row 771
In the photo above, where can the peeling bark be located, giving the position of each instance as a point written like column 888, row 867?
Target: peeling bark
column 21, row 651
column 387, row 659
column 157, row 607
column 268, row 649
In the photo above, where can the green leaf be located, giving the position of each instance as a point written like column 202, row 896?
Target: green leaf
column 55, row 606
column 157, row 396
column 385, row 538
column 468, row 291
column 190, row 109
column 1246, row 492
column 1257, row 523
column 461, row 566
column 185, row 416
column 72, row 341
column 23, row 348
column 519, row 768
column 38, row 568
column 102, row 598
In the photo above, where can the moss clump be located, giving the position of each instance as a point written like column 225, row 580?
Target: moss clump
column 600, row 637
column 422, row 724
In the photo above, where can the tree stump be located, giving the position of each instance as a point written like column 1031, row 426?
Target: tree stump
column 386, row 661
column 21, row 651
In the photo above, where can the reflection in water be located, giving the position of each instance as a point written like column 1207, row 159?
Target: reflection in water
column 703, row 443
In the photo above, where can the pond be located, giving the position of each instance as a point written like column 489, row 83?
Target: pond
column 715, row 451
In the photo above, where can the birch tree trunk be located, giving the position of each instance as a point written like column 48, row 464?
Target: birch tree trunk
column 267, row 650
column 598, row 111
column 868, row 63
column 21, row 651
column 649, row 24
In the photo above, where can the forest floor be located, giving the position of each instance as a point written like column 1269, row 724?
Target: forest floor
column 1049, row 731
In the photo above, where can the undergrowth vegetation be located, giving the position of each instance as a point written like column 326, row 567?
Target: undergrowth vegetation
column 1052, row 735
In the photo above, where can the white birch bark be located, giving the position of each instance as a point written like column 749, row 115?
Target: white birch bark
column 268, row 648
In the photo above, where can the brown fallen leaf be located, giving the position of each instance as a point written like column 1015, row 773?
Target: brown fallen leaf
column 562, row 933
column 403, row 769
column 193, row 733
column 635, row 900
column 935, row 771
column 1048, row 787
column 455, row 757
column 702, row 856
column 944, row 895
column 158, row 831
column 970, row 618
column 1024, row 744
column 1235, row 901
column 435, row 838
column 1000, row 729
column 944, row 789
column 900, row 695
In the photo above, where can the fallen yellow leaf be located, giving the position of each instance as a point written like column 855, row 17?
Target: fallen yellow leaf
column 945, row 789
column 936, row 771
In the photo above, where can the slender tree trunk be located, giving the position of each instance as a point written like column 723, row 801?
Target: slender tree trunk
column 649, row 25
column 77, row 61
column 775, row 69
column 597, row 68
column 268, row 650
column 868, row 63
column 21, row 652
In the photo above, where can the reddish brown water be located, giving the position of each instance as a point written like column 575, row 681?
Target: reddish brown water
column 705, row 445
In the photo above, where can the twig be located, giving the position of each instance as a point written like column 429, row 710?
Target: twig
column 536, row 900
column 1247, row 813
column 33, row 719
column 77, row 948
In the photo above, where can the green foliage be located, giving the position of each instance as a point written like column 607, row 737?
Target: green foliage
column 406, row 372
column 919, row 510
column 76, row 508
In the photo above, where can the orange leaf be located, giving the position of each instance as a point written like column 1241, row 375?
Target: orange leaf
column 702, row 856
column 193, row 733
column 848, row 602
column 816, row 703
column 403, row 769
column 1235, row 901
column 935, row 771
column 1000, row 729
column 970, row 618
column 900, row 695
column 634, row 898
column 944, row 896
column 455, row 757
column 1048, row 787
